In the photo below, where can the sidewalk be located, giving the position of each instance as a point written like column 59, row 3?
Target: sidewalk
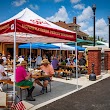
column 82, row 81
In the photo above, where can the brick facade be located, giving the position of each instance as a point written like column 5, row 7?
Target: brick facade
column 94, row 56
column 107, row 59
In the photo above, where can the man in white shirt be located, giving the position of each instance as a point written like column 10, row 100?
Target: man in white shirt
column 20, row 59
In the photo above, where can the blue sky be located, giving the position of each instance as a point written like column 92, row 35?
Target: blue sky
column 64, row 10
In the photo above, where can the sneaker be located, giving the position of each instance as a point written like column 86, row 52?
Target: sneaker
column 1, row 85
column 1, row 89
column 30, row 98
column 43, row 90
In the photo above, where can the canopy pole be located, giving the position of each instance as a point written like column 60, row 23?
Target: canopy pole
column 14, row 63
column 72, row 52
column 60, row 53
column 30, row 54
column 56, row 54
column 76, row 65
column 40, row 52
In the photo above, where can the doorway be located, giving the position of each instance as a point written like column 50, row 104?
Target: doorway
column 10, row 51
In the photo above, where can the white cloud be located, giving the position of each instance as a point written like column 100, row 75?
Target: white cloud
column 86, row 14
column 58, row 0
column 101, row 29
column 34, row 7
column 75, row 1
column 79, row 6
column 18, row 3
column 85, row 20
column 83, row 25
column 60, row 15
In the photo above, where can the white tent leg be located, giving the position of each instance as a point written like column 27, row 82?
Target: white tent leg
column 14, row 62
column 76, row 65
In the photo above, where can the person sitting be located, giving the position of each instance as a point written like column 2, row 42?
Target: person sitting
column 4, row 58
column 47, row 68
column 22, row 79
column 8, row 60
column 3, row 75
column 82, row 61
column 20, row 59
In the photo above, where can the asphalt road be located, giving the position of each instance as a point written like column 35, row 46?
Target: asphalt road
column 94, row 97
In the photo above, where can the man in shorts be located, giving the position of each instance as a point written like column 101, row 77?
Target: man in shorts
column 47, row 69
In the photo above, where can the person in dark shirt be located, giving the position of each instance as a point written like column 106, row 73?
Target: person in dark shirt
column 82, row 61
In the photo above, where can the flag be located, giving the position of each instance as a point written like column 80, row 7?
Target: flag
column 18, row 106
column 13, row 106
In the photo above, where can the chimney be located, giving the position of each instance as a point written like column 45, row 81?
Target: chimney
column 74, row 20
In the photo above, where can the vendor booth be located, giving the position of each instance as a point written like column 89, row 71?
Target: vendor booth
column 26, row 27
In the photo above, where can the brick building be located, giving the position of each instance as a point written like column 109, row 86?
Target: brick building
column 73, row 27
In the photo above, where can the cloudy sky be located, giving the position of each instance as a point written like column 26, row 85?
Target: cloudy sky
column 64, row 10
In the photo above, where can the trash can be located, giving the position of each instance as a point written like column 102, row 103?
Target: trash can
column 92, row 76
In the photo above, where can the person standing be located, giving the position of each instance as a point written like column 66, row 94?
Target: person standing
column 38, row 60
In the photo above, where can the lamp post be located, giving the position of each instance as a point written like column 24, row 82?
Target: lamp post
column 94, row 9
column 109, row 29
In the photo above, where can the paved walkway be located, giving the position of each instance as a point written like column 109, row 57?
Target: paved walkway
column 89, row 98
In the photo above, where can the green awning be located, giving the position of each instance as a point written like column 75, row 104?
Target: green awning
column 80, row 41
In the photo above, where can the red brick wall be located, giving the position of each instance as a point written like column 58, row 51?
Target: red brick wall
column 94, row 56
column 107, row 60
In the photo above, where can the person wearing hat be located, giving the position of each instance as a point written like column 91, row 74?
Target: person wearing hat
column 22, row 79
column 47, row 68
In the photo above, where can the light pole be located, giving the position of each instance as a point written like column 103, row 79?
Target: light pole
column 109, row 29
column 94, row 9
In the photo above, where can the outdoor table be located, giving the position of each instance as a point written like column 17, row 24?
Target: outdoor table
column 81, row 68
column 37, row 74
column 67, row 66
column 68, row 73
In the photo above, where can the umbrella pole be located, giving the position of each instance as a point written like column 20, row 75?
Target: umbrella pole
column 30, row 54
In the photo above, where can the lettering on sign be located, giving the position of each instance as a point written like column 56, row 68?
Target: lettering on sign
column 4, row 27
column 38, row 21
column 28, row 27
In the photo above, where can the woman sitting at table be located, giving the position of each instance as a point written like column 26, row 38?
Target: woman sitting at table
column 22, row 79
column 48, row 70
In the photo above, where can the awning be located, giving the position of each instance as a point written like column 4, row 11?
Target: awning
column 38, row 46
